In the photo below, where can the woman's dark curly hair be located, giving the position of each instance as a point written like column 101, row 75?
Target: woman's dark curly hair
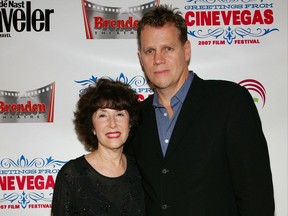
column 105, row 94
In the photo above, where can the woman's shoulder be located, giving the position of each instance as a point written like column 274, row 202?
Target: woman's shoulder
column 73, row 166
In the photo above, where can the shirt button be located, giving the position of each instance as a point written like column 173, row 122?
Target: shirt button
column 165, row 114
column 164, row 207
column 166, row 141
column 165, row 171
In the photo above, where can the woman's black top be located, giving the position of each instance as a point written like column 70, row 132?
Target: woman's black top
column 81, row 190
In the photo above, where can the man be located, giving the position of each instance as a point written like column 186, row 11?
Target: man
column 200, row 146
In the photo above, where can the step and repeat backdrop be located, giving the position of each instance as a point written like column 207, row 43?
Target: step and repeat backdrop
column 50, row 51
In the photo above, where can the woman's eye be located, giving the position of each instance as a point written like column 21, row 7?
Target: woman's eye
column 101, row 115
column 121, row 114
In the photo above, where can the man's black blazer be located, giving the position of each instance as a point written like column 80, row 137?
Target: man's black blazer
column 217, row 161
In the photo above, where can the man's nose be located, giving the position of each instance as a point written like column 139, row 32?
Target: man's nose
column 159, row 58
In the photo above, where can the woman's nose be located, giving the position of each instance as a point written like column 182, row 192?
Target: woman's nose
column 112, row 122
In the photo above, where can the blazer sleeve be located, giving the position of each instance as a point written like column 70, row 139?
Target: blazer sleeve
column 248, row 157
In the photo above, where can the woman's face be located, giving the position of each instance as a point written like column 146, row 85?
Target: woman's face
column 111, row 127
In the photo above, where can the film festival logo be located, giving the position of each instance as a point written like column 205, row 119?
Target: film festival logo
column 256, row 89
column 20, row 17
column 31, row 106
column 138, row 83
column 27, row 184
column 117, row 22
column 141, row 86
column 221, row 22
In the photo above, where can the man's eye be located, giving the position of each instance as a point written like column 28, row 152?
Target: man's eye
column 148, row 51
column 168, row 48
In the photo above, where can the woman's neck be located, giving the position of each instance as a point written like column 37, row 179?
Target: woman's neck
column 107, row 163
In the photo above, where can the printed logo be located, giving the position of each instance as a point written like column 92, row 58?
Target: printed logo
column 31, row 106
column 221, row 22
column 256, row 89
column 27, row 184
column 117, row 22
column 138, row 84
column 19, row 16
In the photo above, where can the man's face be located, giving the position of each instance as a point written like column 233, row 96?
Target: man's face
column 163, row 57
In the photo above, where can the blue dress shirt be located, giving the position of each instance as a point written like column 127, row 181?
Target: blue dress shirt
column 166, row 125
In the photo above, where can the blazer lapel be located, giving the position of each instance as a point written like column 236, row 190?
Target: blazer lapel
column 149, row 126
column 191, row 106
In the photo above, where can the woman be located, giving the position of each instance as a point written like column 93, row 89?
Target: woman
column 104, row 182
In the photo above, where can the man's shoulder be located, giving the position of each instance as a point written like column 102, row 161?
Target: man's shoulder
column 147, row 102
column 216, row 85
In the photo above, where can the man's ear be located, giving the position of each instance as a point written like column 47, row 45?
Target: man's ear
column 187, row 48
column 140, row 57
